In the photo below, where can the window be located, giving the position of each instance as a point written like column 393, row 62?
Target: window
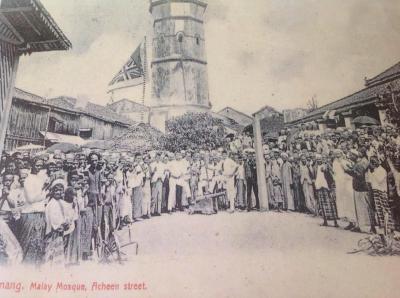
column 197, row 40
column 180, row 37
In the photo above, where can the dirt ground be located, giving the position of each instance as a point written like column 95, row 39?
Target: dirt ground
column 234, row 255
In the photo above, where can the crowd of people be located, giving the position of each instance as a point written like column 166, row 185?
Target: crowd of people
column 347, row 176
column 56, row 208
column 59, row 207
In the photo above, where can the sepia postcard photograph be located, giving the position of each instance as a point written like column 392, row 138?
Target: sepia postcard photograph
column 200, row 148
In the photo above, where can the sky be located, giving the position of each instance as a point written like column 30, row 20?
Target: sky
column 260, row 52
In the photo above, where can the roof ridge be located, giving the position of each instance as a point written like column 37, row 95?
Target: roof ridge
column 373, row 79
column 244, row 114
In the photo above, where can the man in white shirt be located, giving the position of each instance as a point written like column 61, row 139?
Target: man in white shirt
column 32, row 216
column 229, row 169
column 174, row 175
column 135, row 178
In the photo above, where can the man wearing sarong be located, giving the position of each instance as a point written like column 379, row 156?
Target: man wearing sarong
column 32, row 232
column 269, row 178
column 184, row 182
column 157, row 172
column 204, row 178
column 72, row 235
column 362, row 201
column 287, row 183
column 135, row 180
column 324, row 197
column 165, row 189
column 307, row 184
column 146, row 189
column 109, row 199
column 377, row 178
column 276, row 179
column 298, row 195
column 344, row 187
column 57, row 223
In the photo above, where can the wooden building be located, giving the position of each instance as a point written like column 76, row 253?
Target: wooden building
column 25, row 27
column 35, row 120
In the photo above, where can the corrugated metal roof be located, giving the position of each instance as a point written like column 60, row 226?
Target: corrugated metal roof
column 70, row 104
column 94, row 110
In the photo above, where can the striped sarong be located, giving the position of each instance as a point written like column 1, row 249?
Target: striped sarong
column 326, row 203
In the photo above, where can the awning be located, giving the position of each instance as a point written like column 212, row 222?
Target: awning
column 33, row 27
column 60, row 138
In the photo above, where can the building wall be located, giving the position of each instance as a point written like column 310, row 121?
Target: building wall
column 8, row 63
column 179, row 67
column 25, row 123
column 69, row 123
column 101, row 130
column 26, row 120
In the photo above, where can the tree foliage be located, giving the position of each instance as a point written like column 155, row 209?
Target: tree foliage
column 312, row 104
column 193, row 131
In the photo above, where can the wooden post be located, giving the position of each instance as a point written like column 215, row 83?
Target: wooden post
column 47, row 127
column 7, row 104
column 261, row 177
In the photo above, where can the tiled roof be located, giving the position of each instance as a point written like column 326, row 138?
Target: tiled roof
column 362, row 97
column 388, row 74
column 21, row 94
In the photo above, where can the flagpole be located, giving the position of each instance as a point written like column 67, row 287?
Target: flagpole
column 144, row 76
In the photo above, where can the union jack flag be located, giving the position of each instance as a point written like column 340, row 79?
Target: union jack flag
column 132, row 69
